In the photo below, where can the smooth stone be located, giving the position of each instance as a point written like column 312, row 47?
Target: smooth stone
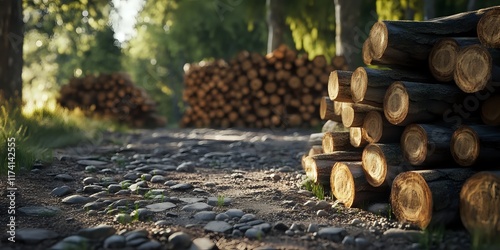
column 157, row 179
column 91, row 189
column 236, row 233
column 254, row 233
column 34, row 235
column 136, row 234
column 90, row 181
column 232, row 213
column 296, row 227
column 361, row 243
column 348, row 240
column 97, row 233
column 335, row 234
column 158, row 172
column 322, row 204
column 285, row 169
column 41, row 211
column 221, row 217
column 265, row 227
column 412, row 235
column 90, row 169
column 275, row 177
column 99, row 194
column 215, row 201
column 192, row 200
column 131, row 176
column 113, row 188
column 150, row 245
column 205, row 215
column 147, row 177
column 123, row 218
column 181, row 186
column 355, row 222
column 76, row 199
column 141, row 214
column 247, row 218
column 187, row 167
column 179, row 240
column 197, row 207
column 123, row 192
column 321, row 213
column 310, row 204
column 170, row 183
column 159, row 207
column 280, row 226
column 114, row 241
column 290, row 232
column 91, row 162
column 203, row 244
column 61, row 191
column 64, row 177
column 162, row 223
column 94, row 205
column 218, row 226
column 71, row 242
column 199, row 191
column 209, row 184
column 312, row 228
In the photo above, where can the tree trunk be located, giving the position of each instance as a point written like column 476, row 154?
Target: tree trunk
column 428, row 197
column 429, row 9
column 479, row 203
column 486, row 68
column 476, row 145
column 382, row 163
column 443, row 56
column 275, row 24
column 488, row 29
column 11, row 49
column 336, row 141
column 318, row 167
column 426, row 144
column 347, row 15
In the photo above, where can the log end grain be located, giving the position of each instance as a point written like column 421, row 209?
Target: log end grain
column 373, row 125
column 379, row 39
column 488, row 29
column 396, row 103
column 442, row 59
column 359, row 84
column 342, row 184
column 465, row 146
column 411, row 199
column 479, row 205
column 374, row 165
column 414, row 144
column 473, row 69
column 357, row 138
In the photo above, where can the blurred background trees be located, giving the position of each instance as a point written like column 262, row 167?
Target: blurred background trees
column 73, row 38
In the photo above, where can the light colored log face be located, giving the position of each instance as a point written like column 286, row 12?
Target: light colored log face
column 373, row 124
column 442, row 59
column 342, row 181
column 396, row 103
column 473, row 69
column 374, row 165
column 480, row 205
column 414, row 143
column 488, row 29
column 465, row 146
column 359, row 84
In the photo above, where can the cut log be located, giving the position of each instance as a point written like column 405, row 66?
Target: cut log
column 426, row 144
column 354, row 115
column 357, row 137
column 315, row 150
column 348, row 184
column 428, row 197
column 336, row 141
column 476, row 145
column 318, row 167
column 339, row 86
column 371, row 84
column 327, row 111
column 332, row 126
column 382, row 163
column 490, row 113
column 443, row 56
column 488, row 28
column 377, row 129
column 409, row 102
column 316, row 139
column 475, row 68
column 479, row 206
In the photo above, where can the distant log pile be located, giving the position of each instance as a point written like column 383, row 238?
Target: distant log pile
column 420, row 123
column 281, row 89
column 113, row 96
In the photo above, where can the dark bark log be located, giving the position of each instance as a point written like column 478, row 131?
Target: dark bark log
column 426, row 145
column 477, row 145
column 443, row 56
column 488, row 29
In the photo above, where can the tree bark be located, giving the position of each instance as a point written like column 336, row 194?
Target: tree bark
column 347, row 15
column 11, row 49
column 318, row 167
column 275, row 24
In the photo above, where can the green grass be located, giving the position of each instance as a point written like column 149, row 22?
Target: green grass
column 38, row 132
column 316, row 188
column 432, row 237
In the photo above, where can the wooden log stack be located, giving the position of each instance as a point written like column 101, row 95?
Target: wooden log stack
column 281, row 89
column 427, row 123
column 112, row 96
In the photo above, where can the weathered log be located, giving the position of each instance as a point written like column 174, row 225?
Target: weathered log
column 443, row 56
column 318, row 167
column 476, row 145
column 488, row 28
column 357, row 137
column 377, row 129
column 426, row 144
column 336, row 141
column 327, row 110
column 339, row 86
column 479, row 206
column 332, row 126
column 382, row 163
column 476, row 67
column 315, row 150
column 348, row 184
column 409, row 102
column 428, row 197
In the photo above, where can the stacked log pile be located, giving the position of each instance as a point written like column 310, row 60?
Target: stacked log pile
column 281, row 89
column 420, row 125
column 112, row 96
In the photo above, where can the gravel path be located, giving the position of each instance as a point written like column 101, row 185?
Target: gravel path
column 195, row 189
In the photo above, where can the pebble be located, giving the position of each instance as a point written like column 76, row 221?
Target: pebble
column 157, row 179
column 160, row 207
column 41, row 211
column 312, row 228
column 91, row 162
column 379, row 208
column 170, row 183
column 361, row 243
column 34, row 235
column 221, row 217
column 150, row 245
column 179, row 240
column 192, row 200
column 64, row 177
column 113, row 188
column 321, row 213
column 71, row 242
column 205, row 215
column 280, row 226
column 216, row 201
column 232, row 213
column 76, row 199
column 187, row 167
column 335, row 234
column 197, row 207
column 322, row 204
column 115, row 241
column 290, row 232
column 355, row 222
column 218, row 227
column 97, row 233
column 123, row 218
column 203, row 244
column 181, row 186
column 254, row 233
column 247, row 218
column 348, row 240
column 90, row 169
column 142, row 214
column 149, row 177
column 296, row 227
column 412, row 235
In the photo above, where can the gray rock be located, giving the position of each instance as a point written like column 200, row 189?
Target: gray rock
column 90, row 169
column 71, row 242
column 179, row 240
column 97, row 233
column 61, row 191
column 181, row 186
column 236, row 233
column 356, row 222
column 113, row 188
column 209, row 184
column 170, row 183
column 310, row 204
column 34, row 235
column 160, row 207
column 147, row 177
column 99, row 194
column 162, row 223
column 312, row 228
column 218, row 227
column 322, row 204
column 90, row 181
column 131, row 176
column 205, row 215
column 41, row 211
column 285, row 169
column 218, row 201
column 123, row 192
column 199, row 191
column 412, row 235
column 361, row 243
column 64, row 177
column 321, row 213
column 150, row 245
column 142, row 214
column 94, row 205
column 237, row 176
column 296, row 227
column 115, row 241
column 265, row 227
column 380, row 208
column 275, row 177
column 76, row 199
column 187, row 167
column 247, row 218
column 348, row 240
column 157, row 179
column 203, row 244
column 335, row 234
column 91, row 162
column 280, row 226
column 290, row 232
column 254, row 233
column 123, row 218
column 197, row 207
column 91, row 189
column 232, row 213
column 136, row 234
column 221, row 217
column 192, row 200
